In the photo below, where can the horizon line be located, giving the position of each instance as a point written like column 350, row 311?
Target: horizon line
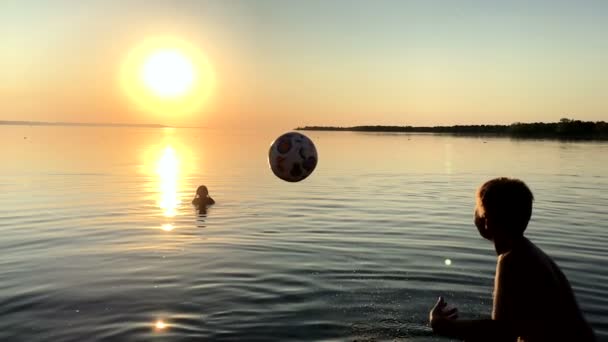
column 90, row 124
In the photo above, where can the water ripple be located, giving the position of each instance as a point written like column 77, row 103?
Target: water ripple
column 358, row 252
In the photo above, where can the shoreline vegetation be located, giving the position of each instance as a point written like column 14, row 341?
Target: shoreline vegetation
column 564, row 129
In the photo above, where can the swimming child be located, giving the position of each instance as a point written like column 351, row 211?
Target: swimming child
column 202, row 198
column 533, row 300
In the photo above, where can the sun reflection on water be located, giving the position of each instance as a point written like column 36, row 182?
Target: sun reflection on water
column 160, row 325
column 168, row 172
column 167, row 227
column 166, row 164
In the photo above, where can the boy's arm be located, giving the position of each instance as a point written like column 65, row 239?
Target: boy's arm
column 501, row 326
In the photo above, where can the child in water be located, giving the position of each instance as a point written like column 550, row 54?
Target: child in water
column 533, row 300
column 202, row 198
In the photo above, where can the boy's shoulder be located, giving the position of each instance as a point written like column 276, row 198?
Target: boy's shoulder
column 532, row 265
column 524, row 249
column 525, row 259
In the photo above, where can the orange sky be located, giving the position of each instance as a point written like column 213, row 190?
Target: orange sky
column 287, row 63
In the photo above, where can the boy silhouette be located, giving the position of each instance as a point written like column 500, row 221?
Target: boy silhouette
column 533, row 300
column 202, row 199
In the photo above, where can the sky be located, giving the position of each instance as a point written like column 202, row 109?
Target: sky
column 293, row 63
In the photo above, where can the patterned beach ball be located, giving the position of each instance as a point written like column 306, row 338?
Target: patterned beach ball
column 292, row 157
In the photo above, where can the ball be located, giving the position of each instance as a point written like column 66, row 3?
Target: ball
column 292, row 157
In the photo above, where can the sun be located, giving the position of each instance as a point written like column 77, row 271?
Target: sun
column 167, row 76
column 168, row 73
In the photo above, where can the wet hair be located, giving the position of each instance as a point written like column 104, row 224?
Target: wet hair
column 202, row 191
column 508, row 201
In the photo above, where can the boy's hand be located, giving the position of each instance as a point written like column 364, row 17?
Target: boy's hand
column 440, row 314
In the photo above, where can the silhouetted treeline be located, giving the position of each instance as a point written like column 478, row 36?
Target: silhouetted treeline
column 565, row 128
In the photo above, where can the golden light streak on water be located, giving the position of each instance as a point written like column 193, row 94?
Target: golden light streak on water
column 167, row 227
column 168, row 172
column 160, row 325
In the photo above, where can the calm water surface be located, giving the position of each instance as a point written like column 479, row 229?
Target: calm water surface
column 99, row 240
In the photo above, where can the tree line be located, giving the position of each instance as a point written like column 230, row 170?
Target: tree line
column 565, row 128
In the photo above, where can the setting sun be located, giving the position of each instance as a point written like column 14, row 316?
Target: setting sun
column 167, row 76
column 168, row 73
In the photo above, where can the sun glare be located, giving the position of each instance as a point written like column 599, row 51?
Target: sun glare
column 168, row 76
column 167, row 227
column 160, row 325
column 168, row 73
column 168, row 172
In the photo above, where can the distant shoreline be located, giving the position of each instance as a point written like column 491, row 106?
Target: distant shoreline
column 42, row 123
column 564, row 129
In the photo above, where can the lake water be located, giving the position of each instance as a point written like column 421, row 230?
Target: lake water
column 100, row 242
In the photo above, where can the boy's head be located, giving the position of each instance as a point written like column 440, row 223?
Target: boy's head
column 202, row 191
column 504, row 207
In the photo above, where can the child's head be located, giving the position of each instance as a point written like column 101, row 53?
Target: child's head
column 202, row 191
column 504, row 206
